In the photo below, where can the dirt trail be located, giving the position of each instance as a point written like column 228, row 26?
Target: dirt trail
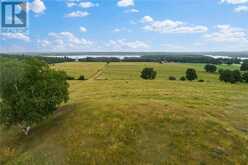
column 98, row 73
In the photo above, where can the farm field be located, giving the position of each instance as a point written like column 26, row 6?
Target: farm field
column 117, row 118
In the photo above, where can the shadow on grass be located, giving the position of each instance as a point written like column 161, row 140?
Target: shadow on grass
column 14, row 139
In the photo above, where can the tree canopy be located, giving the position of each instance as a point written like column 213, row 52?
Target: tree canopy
column 230, row 76
column 244, row 66
column 148, row 73
column 191, row 74
column 210, row 68
column 29, row 92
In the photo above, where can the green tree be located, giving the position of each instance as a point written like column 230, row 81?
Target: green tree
column 210, row 68
column 191, row 74
column 230, row 76
column 237, row 75
column 244, row 66
column 221, row 71
column 29, row 92
column 148, row 74
column 245, row 77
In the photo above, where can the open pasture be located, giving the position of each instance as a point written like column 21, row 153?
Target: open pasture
column 126, row 120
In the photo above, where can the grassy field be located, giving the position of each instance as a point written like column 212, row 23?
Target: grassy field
column 116, row 118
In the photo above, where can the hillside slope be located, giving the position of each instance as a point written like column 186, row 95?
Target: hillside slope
column 139, row 122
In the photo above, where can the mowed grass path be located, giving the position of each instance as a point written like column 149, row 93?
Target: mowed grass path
column 75, row 69
column 139, row 122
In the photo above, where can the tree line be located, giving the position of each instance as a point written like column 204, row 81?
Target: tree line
column 145, row 58
column 226, row 75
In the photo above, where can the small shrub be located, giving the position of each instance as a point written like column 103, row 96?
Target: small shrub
column 182, row 78
column 191, row 74
column 148, row 74
column 81, row 77
column 70, row 78
column 172, row 78
column 210, row 68
column 201, row 81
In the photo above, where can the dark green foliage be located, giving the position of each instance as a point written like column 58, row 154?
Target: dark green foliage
column 210, row 68
column 182, row 78
column 230, row 76
column 221, row 71
column 201, row 81
column 244, row 66
column 148, row 74
column 81, row 77
column 172, row 78
column 70, row 78
column 227, row 76
column 245, row 77
column 30, row 91
column 191, row 74
column 49, row 60
column 237, row 75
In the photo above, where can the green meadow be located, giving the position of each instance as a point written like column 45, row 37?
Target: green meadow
column 115, row 117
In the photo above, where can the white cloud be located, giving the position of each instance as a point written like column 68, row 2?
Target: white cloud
column 88, row 4
column 37, row 6
column 64, row 41
column 234, row 2
column 17, row 36
column 83, row 29
column 127, row 45
column 116, row 30
column 132, row 11
column 77, row 14
column 125, row 3
column 170, row 26
column 147, row 19
column 71, row 4
column 241, row 9
column 228, row 34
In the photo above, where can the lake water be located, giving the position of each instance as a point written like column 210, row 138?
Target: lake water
column 95, row 56
column 226, row 57
column 76, row 57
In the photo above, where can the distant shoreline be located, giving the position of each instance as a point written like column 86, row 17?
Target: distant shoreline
column 121, row 57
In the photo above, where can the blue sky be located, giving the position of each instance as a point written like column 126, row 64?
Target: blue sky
column 132, row 25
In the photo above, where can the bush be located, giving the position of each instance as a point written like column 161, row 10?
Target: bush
column 182, row 78
column 210, row 68
column 201, row 81
column 231, row 76
column 81, row 77
column 244, row 66
column 148, row 74
column 245, row 77
column 191, row 74
column 70, row 78
column 30, row 91
column 172, row 78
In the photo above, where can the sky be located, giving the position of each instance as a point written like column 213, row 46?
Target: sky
column 132, row 25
